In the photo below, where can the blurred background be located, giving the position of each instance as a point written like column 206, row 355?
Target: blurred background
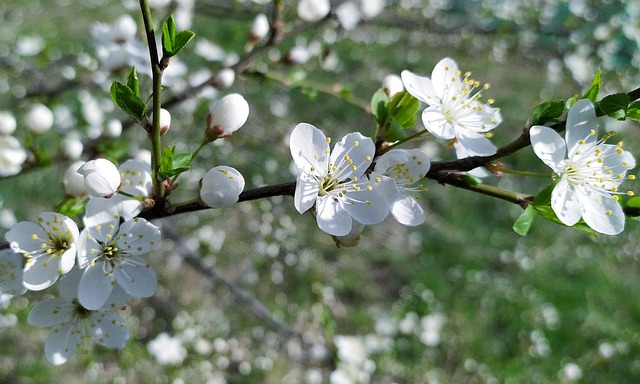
column 459, row 299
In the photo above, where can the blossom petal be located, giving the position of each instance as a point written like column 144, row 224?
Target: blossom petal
column 407, row 211
column 602, row 213
column 445, row 78
column 476, row 144
column 582, row 124
column 26, row 236
column 136, row 177
column 221, row 187
column 331, row 218
column 11, row 271
column 111, row 330
column 41, row 273
column 95, row 286
column 419, row 87
column 307, row 189
column 565, row 203
column 138, row 236
column 138, row 279
column 368, row 205
column 352, row 156
column 309, row 147
column 62, row 343
column 100, row 210
column 49, row 312
column 548, row 146
column 437, row 124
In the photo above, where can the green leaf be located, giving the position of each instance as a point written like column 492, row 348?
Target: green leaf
column 592, row 92
column 633, row 112
column 523, row 224
column 126, row 99
column 72, row 206
column 406, row 109
column 172, row 163
column 168, row 35
column 182, row 39
column 615, row 105
column 133, row 83
column 542, row 206
column 543, row 197
column 633, row 202
column 471, row 180
column 547, row 110
column 181, row 159
column 395, row 132
column 379, row 103
column 569, row 103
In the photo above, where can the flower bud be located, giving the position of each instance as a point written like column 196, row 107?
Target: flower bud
column 7, row 123
column 73, row 182
column 227, row 116
column 259, row 28
column 392, row 84
column 101, row 177
column 12, row 156
column 225, row 78
column 39, row 119
column 113, row 128
column 72, row 146
column 221, row 187
column 313, row 10
column 165, row 121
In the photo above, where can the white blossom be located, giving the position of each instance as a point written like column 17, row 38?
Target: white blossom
column 73, row 182
column 405, row 167
column 39, row 118
column 259, row 28
column 392, row 84
column 589, row 171
column 221, row 187
column 227, row 116
column 12, row 156
column 225, row 77
column 313, row 10
column 334, row 181
column 454, row 108
column 101, row 177
column 110, row 255
column 49, row 247
column 72, row 146
column 73, row 326
column 7, row 123
column 136, row 184
column 166, row 349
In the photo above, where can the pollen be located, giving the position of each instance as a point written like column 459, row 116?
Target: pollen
column 356, row 143
column 328, row 140
column 367, row 158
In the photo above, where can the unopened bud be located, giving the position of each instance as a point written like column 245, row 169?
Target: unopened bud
column 392, row 84
column 39, row 119
column 7, row 123
column 221, row 187
column 259, row 28
column 227, row 116
column 101, row 177
column 73, row 182
column 165, row 121
column 313, row 10
column 225, row 78
column 72, row 146
column 113, row 128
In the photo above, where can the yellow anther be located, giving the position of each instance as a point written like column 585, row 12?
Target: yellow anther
column 630, row 193
column 631, row 177
column 489, row 135
column 369, row 187
column 356, row 143
column 328, row 140
column 607, row 212
column 367, row 158
column 616, row 197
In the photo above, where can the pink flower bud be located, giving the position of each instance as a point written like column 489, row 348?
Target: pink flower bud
column 165, row 121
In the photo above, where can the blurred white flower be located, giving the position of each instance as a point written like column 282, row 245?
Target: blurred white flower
column 227, row 116
column 74, row 326
column 225, row 77
column 12, row 156
column 39, row 119
column 392, row 84
column 313, row 10
column 48, row 246
column 72, row 146
column 113, row 128
column 110, row 255
column 221, row 187
column 101, row 177
column 7, row 123
column 571, row 372
column 73, row 182
column 259, row 28
column 166, row 349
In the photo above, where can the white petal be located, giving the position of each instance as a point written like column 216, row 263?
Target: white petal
column 419, row 87
column 221, row 187
column 68, row 259
column 331, row 218
column 100, row 210
column 60, row 225
column 407, row 211
column 50, row 312
column 309, row 148
column 21, row 236
column 11, row 271
column 445, row 78
column 307, row 189
column 41, row 273
column 137, row 281
column 368, row 206
column 437, row 124
column 474, row 143
column 111, row 330
column 594, row 213
column 352, row 156
column 95, row 287
column 138, row 236
column 548, row 146
column 68, row 284
column 565, row 203
column 581, row 123
column 61, row 343
column 136, row 177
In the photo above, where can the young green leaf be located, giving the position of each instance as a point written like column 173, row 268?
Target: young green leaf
column 395, row 132
column 633, row 112
column 592, row 92
column 133, row 83
column 126, row 99
column 182, row 39
column 379, row 103
column 547, row 110
column 168, row 35
column 406, row 109
column 522, row 225
column 615, row 105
